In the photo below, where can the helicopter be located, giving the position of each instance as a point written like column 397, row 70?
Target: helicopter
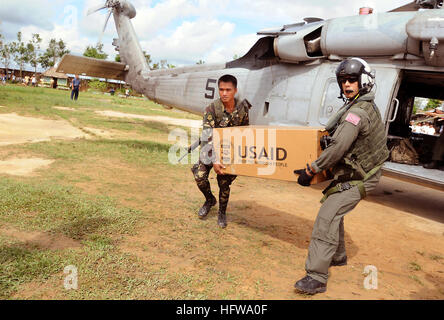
column 288, row 75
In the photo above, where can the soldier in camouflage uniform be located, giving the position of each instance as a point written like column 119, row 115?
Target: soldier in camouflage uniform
column 224, row 112
column 355, row 155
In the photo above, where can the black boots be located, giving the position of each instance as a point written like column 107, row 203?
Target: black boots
column 210, row 202
column 339, row 263
column 203, row 211
column 222, row 216
column 309, row 285
column 222, row 219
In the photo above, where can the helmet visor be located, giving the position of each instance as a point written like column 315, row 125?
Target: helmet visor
column 350, row 79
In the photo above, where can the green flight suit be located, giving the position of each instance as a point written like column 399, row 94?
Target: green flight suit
column 355, row 125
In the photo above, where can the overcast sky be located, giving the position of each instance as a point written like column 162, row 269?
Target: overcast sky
column 181, row 31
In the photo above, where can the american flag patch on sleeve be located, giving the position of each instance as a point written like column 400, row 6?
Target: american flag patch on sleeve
column 352, row 118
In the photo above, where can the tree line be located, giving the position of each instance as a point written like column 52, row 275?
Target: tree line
column 31, row 53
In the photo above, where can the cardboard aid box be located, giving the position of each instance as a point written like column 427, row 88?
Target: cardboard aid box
column 268, row 152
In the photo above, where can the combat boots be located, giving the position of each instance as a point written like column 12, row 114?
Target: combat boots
column 203, row 211
column 222, row 216
column 309, row 285
column 342, row 262
column 222, row 219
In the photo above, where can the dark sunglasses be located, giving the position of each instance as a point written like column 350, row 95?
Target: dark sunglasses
column 349, row 79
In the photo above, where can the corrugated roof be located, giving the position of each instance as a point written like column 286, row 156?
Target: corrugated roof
column 27, row 68
column 51, row 72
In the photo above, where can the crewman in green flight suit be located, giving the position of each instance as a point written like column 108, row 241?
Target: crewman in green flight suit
column 355, row 155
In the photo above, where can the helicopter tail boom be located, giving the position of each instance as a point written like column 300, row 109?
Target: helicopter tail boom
column 131, row 54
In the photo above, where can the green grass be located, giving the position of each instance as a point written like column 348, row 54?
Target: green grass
column 414, row 266
column 436, row 257
column 127, row 150
column 104, row 272
column 62, row 210
column 19, row 264
column 52, row 205
column 40, row 101
column 416, row 279
column 130, row 213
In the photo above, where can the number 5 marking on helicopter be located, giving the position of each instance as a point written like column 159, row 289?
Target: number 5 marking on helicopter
column 210, row 90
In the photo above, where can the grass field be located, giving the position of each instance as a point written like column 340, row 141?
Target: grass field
column 85, row 198
column 116, row 209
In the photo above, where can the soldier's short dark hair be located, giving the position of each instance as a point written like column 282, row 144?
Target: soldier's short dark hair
column 228, row 78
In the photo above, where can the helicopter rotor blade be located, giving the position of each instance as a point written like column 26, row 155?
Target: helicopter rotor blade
column 107, row 19
column 104, row 26
column 95, row 9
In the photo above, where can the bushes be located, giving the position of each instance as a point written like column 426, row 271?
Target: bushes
column 98, row 85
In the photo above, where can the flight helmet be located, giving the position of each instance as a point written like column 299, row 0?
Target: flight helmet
column 356, row 69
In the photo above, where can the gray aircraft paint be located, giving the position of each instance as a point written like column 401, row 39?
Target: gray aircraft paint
column 288, row 88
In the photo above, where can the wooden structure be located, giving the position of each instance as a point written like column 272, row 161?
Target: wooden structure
column 53, row 79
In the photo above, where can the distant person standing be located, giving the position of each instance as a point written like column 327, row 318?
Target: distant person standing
column 127, row 93
column 33, row 81
column 75, row 85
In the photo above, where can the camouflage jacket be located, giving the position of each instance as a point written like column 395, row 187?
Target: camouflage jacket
column 216, row 116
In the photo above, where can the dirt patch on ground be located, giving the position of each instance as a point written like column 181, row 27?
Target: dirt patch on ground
column 16, row 129
column 37, row 290
column 98, row 132
column 269, row 228
column 167, row 120
column 41, row 239
column 23, row 166
column 64, row 108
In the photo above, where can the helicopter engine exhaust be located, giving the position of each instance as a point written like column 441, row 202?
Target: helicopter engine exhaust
column 365, row 10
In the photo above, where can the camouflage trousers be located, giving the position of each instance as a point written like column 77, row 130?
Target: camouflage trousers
column 201, row 172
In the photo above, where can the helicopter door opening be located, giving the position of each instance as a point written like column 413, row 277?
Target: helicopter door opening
column 414, row 127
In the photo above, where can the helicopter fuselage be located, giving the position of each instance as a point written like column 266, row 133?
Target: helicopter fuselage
column 289, row 74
